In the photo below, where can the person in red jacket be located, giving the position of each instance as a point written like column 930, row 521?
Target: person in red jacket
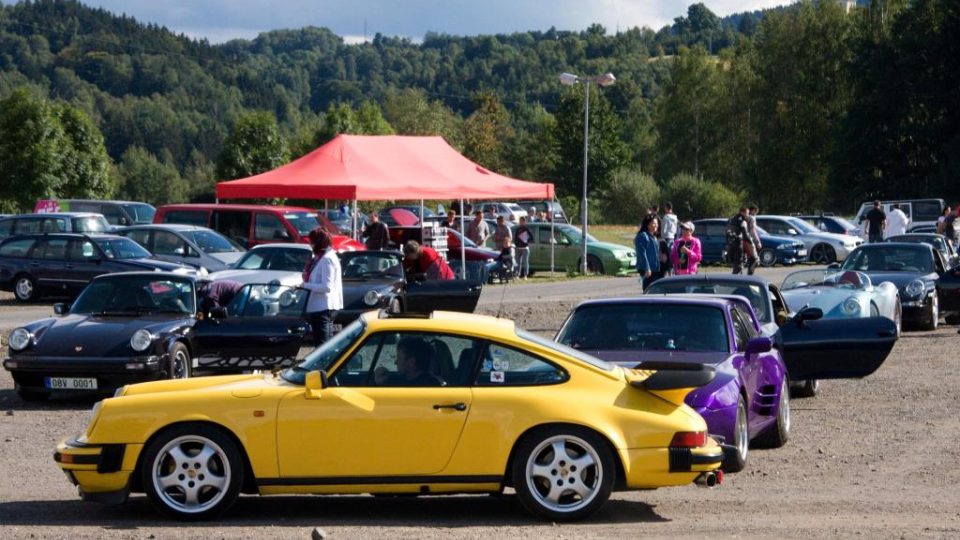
column 424, row 262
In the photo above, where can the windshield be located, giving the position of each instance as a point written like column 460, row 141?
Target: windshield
column 285, row 259
column 141, row 213
column 91, row 224
column 803, row 226
column 843, row 222
column 211, row 242
column 937, row 242
column 573, row 233
column 756, row 294
column 369, row 264
column 563, row 349
column 122, row 248
column 848, row 279
column 324, row 356
column 879, row 258
column 303, row 222
column 125, row 295
column 647, row 327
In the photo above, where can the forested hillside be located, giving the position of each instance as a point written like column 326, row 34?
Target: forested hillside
column 786, row 102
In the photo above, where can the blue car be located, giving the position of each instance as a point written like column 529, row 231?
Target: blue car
column 775, row 249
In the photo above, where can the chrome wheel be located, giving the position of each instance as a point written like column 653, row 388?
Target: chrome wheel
column 898, row 318
column 783, row 414
column 564, row 473
column 180, row 363
column 24, row 290
column 191, row 474
column 742, row 434
column 768, row 257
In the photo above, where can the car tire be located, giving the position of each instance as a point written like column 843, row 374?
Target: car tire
column 25, row 288
column 32, row 396
column 931, row 313
column 823, row 254
column 898, row 318
column 805, row 389
column 768, row 257
column 777, row 435
column 741, row 440
column 180, row 364
column 584, row 472
column 594, row 265
column 192, row 461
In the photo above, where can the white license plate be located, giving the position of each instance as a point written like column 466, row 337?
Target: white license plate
column 802, row 253
column 70, row 383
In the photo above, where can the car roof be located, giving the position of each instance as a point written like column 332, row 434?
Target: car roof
column 281, row 245
column 53, row 214
column 116, row 201
column 703, row 300
column 251, row 207
column 93, row 236
column 190, row 277
column 712, row 277
column 444, row 320
column 906, row 245
column 168, row 227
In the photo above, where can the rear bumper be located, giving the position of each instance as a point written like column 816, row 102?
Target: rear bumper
column 30, row 372
column 649, row 468
column 100, row 472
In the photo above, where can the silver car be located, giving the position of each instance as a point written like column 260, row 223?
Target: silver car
column 823, row 247
column 194, row 246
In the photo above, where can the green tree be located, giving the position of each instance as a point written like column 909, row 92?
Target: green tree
column 695, row 198
column 343, row 118
column 484, row 132
column 145, row 178
column 629, row 193
column 254, row 146
column 85, row 166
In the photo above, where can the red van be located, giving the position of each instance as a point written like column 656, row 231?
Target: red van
column 251, row 224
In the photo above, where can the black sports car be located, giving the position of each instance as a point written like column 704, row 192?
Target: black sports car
column 927, row 287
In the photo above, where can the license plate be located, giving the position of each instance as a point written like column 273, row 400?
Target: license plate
column 70, row 383
column 802, row 253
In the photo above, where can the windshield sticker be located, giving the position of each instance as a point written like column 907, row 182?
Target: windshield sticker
column 487, row 365
column 496, row 376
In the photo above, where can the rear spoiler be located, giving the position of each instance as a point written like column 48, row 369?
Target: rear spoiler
column 674, row 375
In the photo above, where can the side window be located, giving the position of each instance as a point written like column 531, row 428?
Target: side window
column 167, row 243
column 543, row 235
column 53, row 225
column 747, row 321
column 6, row 227
column 114, row 215
column 84, row 207
column 18, row 247
column 269, row 300
column 740, row 331
column 187, row 217
column 52, row 249
column 27, row 226
column 81, row 250
column 139, row 236
column 505, row 366
column 410, row 359
column 269, row 227
column 234, row 225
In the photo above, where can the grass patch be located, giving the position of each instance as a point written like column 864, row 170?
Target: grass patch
column 615, row 234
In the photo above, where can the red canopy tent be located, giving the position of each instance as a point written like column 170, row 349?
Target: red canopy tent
column 386, row 167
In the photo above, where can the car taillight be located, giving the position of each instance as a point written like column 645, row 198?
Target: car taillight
column 689, row 439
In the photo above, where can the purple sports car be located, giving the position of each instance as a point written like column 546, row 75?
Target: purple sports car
column 748, row 400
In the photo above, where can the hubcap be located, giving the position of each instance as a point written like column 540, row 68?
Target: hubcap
column 24, row 288
column 935, row 311
column 564, row 473
column 767, row 257
column 743, row 438
column 191, row 474
column 178, row 369
column 784, row 411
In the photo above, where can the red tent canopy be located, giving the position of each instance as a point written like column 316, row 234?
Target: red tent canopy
column 389, row 167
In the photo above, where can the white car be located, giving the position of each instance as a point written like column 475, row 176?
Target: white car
column 510, row 211
column 283, row 263
column 823, row 247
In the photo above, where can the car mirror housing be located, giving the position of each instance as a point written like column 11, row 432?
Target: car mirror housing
column 759, row 345
column 809, row 314
column 61, row 308
column 314, row 383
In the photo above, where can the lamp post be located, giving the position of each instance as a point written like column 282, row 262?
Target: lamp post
column 569, row 79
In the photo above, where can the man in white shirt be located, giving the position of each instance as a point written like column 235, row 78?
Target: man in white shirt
column 668, row 225
column 897, row 222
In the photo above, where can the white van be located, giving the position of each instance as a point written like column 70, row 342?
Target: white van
column 922, row 212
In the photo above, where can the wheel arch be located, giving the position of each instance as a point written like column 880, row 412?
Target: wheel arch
column 619, row 480
column 249, row 481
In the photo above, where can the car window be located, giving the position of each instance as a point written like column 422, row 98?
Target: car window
column 136, row 294
column 323, row 357
column 268, row 300
column 81, row 250
column 141, row 213
column 740, row 332
column 167, row 243
column 211, row 242
column 747, row 320
column 367, row 264
column 501, row 365
column 712, row 229
column 927, row 210
column 890, row 259
column 6, row 226
column 114, row 215
column 751, row 291
column 233, row 224
column 121, row 248
column 141, row 237
column 54, row 225
column 199, row 218
column 17, row 247
column 91, row 224
column 253, row 260
column 410, row 359
column 774, row 227
column 27, row 226
column 51, row 248
column 543, row 235
column 269, row 227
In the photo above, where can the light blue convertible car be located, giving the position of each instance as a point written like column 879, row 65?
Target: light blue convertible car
column 842, row 294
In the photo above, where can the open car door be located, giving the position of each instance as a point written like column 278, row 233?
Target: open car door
column 835, row 348
column 948, row 290
column 264, row 326
column 446, row 295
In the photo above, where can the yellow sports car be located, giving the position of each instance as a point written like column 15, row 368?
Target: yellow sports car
column 452, row 403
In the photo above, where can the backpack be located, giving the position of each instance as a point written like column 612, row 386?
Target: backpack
column 735, row 226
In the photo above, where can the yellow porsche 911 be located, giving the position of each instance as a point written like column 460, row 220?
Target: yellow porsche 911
column 453, row 403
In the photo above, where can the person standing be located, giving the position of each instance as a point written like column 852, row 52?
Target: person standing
column 501, row 235
column 897, row 222
column 740, row 242
column 450, row 221
column 752, row 226
column 950, row 225
column 523, row 248
column 477, row 230
column 686, row 252
column 377, row 234
column 323, row 279
column 876, row 222
column 648, row 250
column 947, row 211
column 668, row 226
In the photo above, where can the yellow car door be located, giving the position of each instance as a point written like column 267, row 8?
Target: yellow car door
column 375, row 419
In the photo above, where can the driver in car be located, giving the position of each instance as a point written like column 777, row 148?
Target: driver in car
column 414, row 356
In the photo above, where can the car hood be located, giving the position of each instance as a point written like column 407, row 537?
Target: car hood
column 607, row 246
column 250, row 385
column 97, row 336
column 291, row 279
column 829, row 237
column 900, row 279
column 825, row 298
column 227, row 257
column 774, row 240
column 152, row 264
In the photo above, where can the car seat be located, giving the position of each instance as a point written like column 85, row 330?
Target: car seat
column 851, row 278
column 441, row 366
column 465, row 366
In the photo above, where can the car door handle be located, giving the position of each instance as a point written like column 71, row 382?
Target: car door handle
column 69, row 267
column 455, row 406
column 34, row 264
column 297, row 330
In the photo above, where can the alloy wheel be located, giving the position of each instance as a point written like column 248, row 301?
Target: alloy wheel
column 564, row 473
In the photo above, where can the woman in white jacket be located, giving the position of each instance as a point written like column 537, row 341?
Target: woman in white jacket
column 323, row 279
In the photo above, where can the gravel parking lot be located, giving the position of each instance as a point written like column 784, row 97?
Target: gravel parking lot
column 875, row 458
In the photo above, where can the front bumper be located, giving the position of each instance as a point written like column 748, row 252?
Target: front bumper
column 792, row 256
column 100, row 472
column 30, row 372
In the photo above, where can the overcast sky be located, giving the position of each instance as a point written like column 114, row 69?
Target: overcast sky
column 222, row 20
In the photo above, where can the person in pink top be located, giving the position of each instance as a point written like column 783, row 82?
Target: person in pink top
column 686, row 251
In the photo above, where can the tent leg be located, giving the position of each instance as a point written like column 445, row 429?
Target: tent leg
column 463, row 247
column 353, row 221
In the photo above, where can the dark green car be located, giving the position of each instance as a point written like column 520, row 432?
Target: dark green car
column 602, row 257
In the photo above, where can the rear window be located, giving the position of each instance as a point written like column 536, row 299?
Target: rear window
column 927, row 210
column 187, row 217
column 18, row 247
column 140, row 213
column 90, row 224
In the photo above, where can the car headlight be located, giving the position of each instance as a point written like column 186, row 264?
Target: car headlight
column 850, row 306
column 913, row 289
column 140, row 340
column 20, row 339
column 372, row 298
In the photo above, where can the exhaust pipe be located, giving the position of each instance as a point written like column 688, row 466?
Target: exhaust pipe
column 709, row 479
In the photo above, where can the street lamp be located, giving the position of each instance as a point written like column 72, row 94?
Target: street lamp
column 569, row 79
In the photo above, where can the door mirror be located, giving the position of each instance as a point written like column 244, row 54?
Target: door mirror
column 833, row 266
column 61, row 308
column 759, row 345
column 314, row 383
column 281, row 235
column 808, row 314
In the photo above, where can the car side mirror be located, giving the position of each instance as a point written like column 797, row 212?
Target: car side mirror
column 759, row 345
column 61, row 308
column 833, row 266
column 808, row 314
column 281, row 235
column 314, row 383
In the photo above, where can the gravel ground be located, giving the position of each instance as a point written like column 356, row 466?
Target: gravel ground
column 875, row 458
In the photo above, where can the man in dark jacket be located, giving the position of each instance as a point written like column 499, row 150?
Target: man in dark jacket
column 377, row 233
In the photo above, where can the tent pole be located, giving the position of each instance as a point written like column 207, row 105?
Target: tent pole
column 463, row 246
column 553, row 239
column 353, row 221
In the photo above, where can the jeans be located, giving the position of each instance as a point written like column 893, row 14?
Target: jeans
column 875, row 238
column 523, row 261
column 322, row 324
